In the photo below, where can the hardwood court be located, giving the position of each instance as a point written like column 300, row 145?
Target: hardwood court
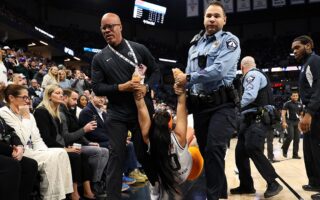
column 291, row 170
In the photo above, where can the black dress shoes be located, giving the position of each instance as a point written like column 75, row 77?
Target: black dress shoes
column 273, row 189
column 296, row 157
column 311, row 188
column 315, row 196
column 239, row 190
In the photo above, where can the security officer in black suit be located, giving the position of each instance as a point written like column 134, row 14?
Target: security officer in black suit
column 309, row 85
column 290, row 118
column 256, row 106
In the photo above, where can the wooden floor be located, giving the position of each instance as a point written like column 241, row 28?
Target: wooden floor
column 291, row 170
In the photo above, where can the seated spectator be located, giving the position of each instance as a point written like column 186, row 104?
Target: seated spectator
column 74, row 133
column 62, row 79
column 18, row 171
column 41, row 73
column 17, row 79
column 51, row 77
column 87, row 93
column 53, row 163
column 93, row 112
column 79, row 83
column 22, row 68
column 35, row 93
column 3, row 69
column 81, row 103
column 47, row 116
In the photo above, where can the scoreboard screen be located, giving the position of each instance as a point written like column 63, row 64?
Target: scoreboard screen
column 149, row 13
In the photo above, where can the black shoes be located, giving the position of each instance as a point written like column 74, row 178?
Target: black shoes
column 273, row 160
column 284, row 154
column 315, row 196
column 296, row 157
column 311, row 188
column 273, row 189
column 239, row 190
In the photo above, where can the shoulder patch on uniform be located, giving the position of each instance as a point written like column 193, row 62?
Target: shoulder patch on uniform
column 232, row 44
column 250, row 79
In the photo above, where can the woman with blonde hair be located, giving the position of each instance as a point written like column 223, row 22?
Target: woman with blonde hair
column 51, row 129
column 53, row 163
column 51, row 77
column 62, row 79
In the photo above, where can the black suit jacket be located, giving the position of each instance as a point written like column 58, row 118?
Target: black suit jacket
column 99, row 135
column 49, row 128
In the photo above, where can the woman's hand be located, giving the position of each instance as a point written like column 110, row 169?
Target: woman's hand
column 17, row 152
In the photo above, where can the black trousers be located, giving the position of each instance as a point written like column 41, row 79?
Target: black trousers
column 117, row 133
column 293, row 133
column 311, row 151
column 17, row 178
column 80, row 167
column 270, row 137
column 250, row 144
column 213, row 131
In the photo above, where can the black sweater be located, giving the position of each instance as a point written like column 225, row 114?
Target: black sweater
column 108, row 71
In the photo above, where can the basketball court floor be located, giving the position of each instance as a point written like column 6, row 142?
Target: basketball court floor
column 291, row 170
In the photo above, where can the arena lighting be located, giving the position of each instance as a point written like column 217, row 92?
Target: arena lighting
column 76, row 58
column 66, row 60
column 42, row 42
column 31, row 44
column 167, row 60
column 44, row 32
column 92, row 50
column 276, row 69
column 292, row 68
column 68, row 51
column 265, row 70
column 291, row 54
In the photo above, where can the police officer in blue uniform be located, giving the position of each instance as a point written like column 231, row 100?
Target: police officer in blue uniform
column 256, row 106
column 211, row 69
column 309, row 85
column 291, row 112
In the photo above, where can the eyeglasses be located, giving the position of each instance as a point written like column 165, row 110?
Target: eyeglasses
column 109, row 26
column 25, row 98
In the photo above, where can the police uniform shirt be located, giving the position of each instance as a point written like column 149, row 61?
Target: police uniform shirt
column 309, row 83
column 253, row 81
column 223, row 51
column 293, row 110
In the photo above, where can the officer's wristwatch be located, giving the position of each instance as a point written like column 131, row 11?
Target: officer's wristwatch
column 188, row 77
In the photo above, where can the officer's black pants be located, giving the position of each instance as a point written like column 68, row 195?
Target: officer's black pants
column 293, row 133
column 213, row 131
column 17, row 177
column 250, row 144
column 117, row 133
column 311, row 151
column 270, row 137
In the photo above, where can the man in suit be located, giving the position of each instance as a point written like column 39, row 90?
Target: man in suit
column 93, row 111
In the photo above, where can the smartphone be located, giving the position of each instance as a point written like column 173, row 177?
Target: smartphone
column 94, row 118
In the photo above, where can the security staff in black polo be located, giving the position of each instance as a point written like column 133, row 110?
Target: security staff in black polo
column 309, row 85
column 290, row 118
column 256, row 106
